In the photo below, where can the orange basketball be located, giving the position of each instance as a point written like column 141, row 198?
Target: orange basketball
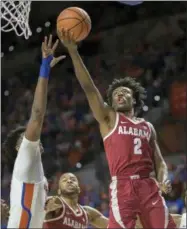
column 76, row 20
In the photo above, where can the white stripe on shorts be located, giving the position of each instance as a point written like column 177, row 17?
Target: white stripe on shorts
column 114, row 202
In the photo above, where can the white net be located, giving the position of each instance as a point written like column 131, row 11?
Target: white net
column 15, row 16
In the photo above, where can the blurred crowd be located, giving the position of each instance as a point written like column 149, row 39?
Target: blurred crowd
column 69, row 129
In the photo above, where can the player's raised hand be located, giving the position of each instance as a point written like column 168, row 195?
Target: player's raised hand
column 166, row 186
column 48, row 49
column 67, row 39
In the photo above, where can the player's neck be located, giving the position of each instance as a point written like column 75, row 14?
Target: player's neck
column 71, row 201
column 128, row 114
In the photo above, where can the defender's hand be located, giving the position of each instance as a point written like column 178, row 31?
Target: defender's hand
column 53, row 204
column 49, row 49
column 67, row 39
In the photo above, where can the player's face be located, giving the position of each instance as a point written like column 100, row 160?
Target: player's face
column 69, row 184
column 122, row 99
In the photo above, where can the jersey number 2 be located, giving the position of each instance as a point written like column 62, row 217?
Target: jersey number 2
column 137, row 146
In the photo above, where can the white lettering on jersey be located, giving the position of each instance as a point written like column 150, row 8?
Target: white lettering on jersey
column 72, row 223
column 133, row 131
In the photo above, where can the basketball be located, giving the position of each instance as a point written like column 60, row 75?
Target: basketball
column 75, row 20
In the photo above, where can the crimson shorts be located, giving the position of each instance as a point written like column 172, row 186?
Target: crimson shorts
column 130, row 198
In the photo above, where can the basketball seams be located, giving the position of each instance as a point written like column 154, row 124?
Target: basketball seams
column 86, row 24
column 76, row 25
column 69, row 18
column 82, row 23
column 77, row 12
column 85, row 20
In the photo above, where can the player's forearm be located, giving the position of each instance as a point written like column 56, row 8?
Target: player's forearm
column 100, row 222
column 162, row 172
column 81, row 71
column 40, row 100
column 34, row 126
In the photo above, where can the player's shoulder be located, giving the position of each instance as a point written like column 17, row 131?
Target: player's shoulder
column 90, row 210
column 148, row 123
column 28, row 143
column 55, row 199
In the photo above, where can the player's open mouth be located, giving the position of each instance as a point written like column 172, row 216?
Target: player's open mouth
column 71, row 186
column 121, row 100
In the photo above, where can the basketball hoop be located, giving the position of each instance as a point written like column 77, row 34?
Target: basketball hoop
column 15, row 16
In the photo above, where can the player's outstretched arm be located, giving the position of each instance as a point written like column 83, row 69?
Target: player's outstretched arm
column 35, row 123
column 100, row 111
column 96, row 218
column 160, row 164
column 28, row 166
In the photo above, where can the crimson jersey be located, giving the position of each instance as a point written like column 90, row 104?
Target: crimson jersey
column 68, row 218
column 128, row 148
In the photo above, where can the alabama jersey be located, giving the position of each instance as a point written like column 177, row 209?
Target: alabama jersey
column 68, row 218
column 28, row 188
column 128, row 149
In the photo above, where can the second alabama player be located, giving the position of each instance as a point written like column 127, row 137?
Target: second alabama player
column 23, row 148
column 131, row 148
column 63, row 211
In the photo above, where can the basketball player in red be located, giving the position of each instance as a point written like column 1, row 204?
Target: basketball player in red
column 55, row 206
column 131, row 149
column 63, row 211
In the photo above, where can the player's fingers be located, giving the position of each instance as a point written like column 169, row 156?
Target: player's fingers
column 45, row 40
column 50, row 41
column 56, row 60
column 43, row 46
column 67, row 35
column 168, row 182
column 60, row 58
column 72, row 37
column 55, row 45
column 59, row 33
column 62, row 33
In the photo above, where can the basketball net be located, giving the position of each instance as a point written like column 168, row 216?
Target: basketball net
column 15, row 16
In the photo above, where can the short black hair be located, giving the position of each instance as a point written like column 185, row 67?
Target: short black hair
column 139, row 93
column 9, row 152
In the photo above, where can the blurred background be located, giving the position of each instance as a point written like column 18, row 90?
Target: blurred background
column 146, row 41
